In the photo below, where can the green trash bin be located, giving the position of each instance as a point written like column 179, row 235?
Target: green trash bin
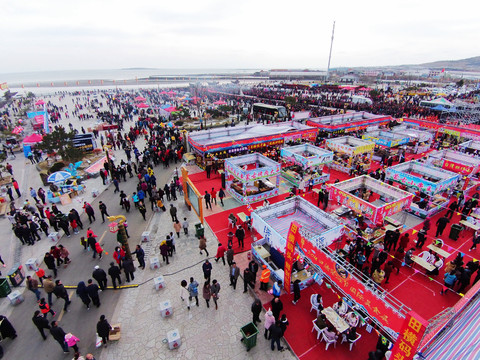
column 199, row 230
column 4, row 288
column 455, row 231
column 249, row 335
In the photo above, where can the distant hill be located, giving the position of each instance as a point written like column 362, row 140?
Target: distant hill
column 471, row 64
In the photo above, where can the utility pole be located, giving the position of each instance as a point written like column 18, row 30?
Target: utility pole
column 330, row 55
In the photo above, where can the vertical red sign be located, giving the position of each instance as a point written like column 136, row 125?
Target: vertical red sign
column 289, row 252
column 409, row 338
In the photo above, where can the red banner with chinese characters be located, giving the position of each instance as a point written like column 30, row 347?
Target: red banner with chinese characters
column 352, row 286
column 457, row 168
column 407, row 342
column 292, row 238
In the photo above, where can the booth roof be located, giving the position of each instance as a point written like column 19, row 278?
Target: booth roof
column 346, row 118
column 389, row 135
column 315, row 150
column 425, row 169
column 349, row 141
column 218, row 136
column 455, row 156
column 239, row 161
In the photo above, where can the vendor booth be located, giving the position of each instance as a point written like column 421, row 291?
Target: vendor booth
column 470, row 147
column 428, row 182
column 371, row 200
column 273, row 222
column 455, row 161
column 222, row 143
column 387, row 143
column 349, row 122
column 252, row 177
column 350, row 153
column 420, row 141
column 305, row 162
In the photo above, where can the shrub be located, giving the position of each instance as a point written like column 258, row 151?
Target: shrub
column 56, row 167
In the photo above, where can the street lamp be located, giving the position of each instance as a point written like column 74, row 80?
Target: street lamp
column 119, row 228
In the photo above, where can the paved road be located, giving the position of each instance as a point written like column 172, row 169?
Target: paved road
column 79, row 321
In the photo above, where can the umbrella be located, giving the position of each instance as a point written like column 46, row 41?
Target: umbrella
column 59, row 176
column 33, row 139
column 17, row 130
column 143, row 106
column 140, row 98
column 40, row 102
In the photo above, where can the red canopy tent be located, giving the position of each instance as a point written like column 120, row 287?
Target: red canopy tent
column 143, row 106
column 140, row 98
column 40, row 102
column 33, row 139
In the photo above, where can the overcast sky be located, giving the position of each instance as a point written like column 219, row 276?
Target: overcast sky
column 260, row 34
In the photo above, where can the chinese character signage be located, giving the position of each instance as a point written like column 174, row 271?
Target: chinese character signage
column 409, row 338
column 292, row 238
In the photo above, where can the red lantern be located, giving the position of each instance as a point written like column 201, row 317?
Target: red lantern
column 113, row 227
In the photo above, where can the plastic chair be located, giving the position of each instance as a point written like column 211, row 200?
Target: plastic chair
column 352, row 342
column 315, row 327
column 424, row 255
column 355, row 324
column 313, row 302
column 328, row 341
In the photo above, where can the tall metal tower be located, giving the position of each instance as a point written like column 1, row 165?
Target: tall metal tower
column 330, row 55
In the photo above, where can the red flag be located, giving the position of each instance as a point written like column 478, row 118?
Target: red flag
column 443, row 70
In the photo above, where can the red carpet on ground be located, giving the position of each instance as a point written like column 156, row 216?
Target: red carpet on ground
column 304, row 342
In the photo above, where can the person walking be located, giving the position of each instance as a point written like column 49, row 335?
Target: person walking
column 264, row 278
column 129, row 269
column 234, row 273
column 114, row 272
column 16, row 187
column 193, row 290
column 100, row 276
column 207, row 200
column 185, row 226
column 230, row 254
column 247, row 280
column 32, row 285
column 202, row 245
column 41, row 195
column 214, row 290
column 45, row 308
column 119, row 256
column 207, row 292
column 240, row 234
column 177, row 227
column 92, row 290
column 253, row 267
column 33, row 194
column 50, row 262
column 63, row 252
column 59, row 335
column 213, row 195
column 164, row 251
column 256, row 310
column 48, row 286
column 140, row 256
column 268, row 322
column 82, row 293
column 142, row 209
column 103, row 210
column 277, row 307
column 72, row 341
column 89, row 211
column 276, row 334
column 184, row 295
column 41, row 323
column 173, row 213
column 103, row 329
column 92, row 244
column 296, row 291
column 207, row 270
column 441, row 224
column 221, row 195
column 220, row 253
column 60, row 292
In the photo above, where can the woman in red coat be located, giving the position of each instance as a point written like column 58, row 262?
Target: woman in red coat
column 119, row 255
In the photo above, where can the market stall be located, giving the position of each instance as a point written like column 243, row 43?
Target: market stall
column 470, row 147
column 252, row 177
column 428, row 182
column 372, row 201
column 273, row 223
column 420, row 140
column 222, row 143
column 305, row 162
column 349, row 122
column 385, row 141
column 455, row 161
column 350, row 153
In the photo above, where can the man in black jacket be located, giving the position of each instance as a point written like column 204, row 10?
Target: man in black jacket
column 140, row 256
column 41, row 323
column 60, row 292
column 59, row 335
column 103, row 210
column 114, row 272
column 92, row 290
column 101, row 276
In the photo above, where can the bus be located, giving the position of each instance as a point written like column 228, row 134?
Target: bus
column 269, row 112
